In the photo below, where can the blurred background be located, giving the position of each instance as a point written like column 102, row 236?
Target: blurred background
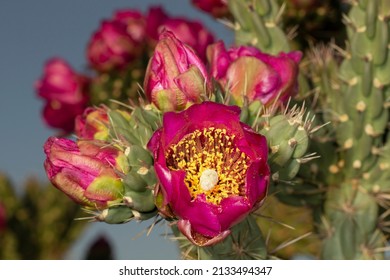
column 31, row 33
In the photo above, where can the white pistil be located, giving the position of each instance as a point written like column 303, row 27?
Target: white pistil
column 208, row 179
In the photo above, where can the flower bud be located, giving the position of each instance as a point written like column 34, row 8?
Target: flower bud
column 192, row 33
column 92, row 124
column 175, row 77
column 216, row 8
column 3, row 218
column 65, row 93
column 87, row 171
column 154, row 19
column 117, row 42
column 246, row 72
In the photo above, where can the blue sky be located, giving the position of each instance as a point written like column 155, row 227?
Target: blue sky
column 31, row 32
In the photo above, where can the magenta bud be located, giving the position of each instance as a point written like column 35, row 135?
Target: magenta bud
column 245, row 72
column 176, row 77
column 87, row 171
column 93, row 124
column 118, row 41
column 216, row 8
column 65, row 93
column 3, row 218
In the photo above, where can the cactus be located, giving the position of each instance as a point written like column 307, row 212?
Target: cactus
column 132, row 135
column 45, row 214
column 353, row 102
column 356, row 96
column 119, row 85
column 320, row 151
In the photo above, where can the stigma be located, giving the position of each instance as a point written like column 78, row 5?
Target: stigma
column 208, row 179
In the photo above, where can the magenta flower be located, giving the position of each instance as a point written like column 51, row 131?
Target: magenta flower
column 212, row 170
column 216, row 8
column 65, row 93
column 118, row 42
column 3, row 218
column 192, row 33
column 245, row 71
column 154, row 19
column 135, row 23
column 92, row 124
column 176, row 77
column 86, row 171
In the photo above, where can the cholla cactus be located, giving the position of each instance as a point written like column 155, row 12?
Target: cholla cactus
column 220, row 151
column 40, row 224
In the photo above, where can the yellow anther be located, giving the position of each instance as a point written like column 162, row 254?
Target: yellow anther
column 214, row 166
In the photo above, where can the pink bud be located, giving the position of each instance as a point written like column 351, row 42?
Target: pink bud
column 3, row 218
column 246, row 72
column 176, row 77
column 192, row 33
column 155, row 18
column 216, row 8
column 65, row 93
column 117, row 42
column 92, row 124
column 86, row 171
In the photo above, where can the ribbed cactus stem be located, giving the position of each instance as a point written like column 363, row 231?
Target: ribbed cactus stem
column 364, row 87
column 131, row 133
column 257, row 24
column 352, row 209
column 352, row 224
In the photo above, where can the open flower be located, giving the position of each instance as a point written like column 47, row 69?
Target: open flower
column 86, row 171
column 65, row 93
column 176, row 77
column 247, row 72
column 212, row 170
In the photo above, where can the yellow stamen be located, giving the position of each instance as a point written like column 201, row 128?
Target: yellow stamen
column 214, row 166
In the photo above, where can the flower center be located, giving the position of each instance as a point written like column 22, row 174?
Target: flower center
column 208, row 179
column 214, row 166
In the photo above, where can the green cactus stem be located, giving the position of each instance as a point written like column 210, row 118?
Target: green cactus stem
column 354, row 100
column 131, row 134
column 40, row 223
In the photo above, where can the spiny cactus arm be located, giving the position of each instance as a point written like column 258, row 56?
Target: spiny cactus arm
column 354, row 223
column 131, row 133
column 362, row 119
column 120, row 85
column 350, row 225
column 40, row 223
column 257, row 24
